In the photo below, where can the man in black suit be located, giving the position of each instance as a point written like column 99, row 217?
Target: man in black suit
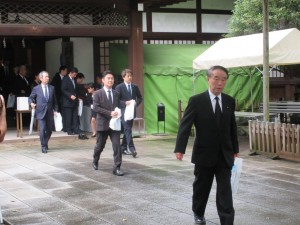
column 43, row 99
column 22, row 84
column 70, row 101
column 104, row 103
column 21, row 88
column 128, row 91
column 56, row 82
column 215, row 146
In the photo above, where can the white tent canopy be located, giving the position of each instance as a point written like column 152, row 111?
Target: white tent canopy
column 284, row 49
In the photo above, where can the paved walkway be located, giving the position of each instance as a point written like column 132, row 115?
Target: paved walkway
column 61, row 187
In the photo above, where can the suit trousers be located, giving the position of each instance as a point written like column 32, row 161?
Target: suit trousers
column 46, row 127
column 71, row 119
column 204, row 177
column 63, row 116
column 100, row 144
column 127, row 137
column 62, row 113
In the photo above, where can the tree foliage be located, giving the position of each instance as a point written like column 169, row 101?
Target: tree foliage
column 247, row 16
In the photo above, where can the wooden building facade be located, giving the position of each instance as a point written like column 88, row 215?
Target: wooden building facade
column 26, row 25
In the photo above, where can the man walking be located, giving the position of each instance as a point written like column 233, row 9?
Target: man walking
column 215, row 146
column 128, row 91
column 43, row 99
column 104, row 104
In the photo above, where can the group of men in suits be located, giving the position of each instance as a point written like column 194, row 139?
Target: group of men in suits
column 43, row 99
column 66, row 91
column 211, row 112
column 104, row 104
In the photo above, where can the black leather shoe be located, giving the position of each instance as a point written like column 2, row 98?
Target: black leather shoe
column 199, row 220
column 44, row 150
column 82, row 136
column 118, row 172
column 126, row 152
column 95, row 165
column 47, row 148
column 134, row 154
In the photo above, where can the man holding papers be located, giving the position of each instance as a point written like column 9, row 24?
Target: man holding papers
column 105, row 102
column 128, row 92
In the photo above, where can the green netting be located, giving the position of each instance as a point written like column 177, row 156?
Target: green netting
column 168, row 77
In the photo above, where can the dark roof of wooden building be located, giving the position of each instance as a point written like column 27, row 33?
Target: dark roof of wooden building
column 122, row 5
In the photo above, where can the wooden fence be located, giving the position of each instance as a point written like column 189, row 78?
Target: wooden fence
column 275, row 139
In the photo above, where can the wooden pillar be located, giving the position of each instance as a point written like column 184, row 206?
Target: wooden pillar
column 135, row 54
column 199, row 21
column 96, row 48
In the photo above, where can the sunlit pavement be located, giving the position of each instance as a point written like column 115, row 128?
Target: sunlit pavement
column 61, row 187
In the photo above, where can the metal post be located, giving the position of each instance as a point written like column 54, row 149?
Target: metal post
column 1, row 218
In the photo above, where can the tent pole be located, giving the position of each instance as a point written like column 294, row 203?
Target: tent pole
column 251, row 87
column 266, row 73
column 251, row 92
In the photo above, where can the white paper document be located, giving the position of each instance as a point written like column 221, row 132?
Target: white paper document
column 235, row 174
column 22, row 103
column 129, row 111
column 58, row 121
column 115, row 123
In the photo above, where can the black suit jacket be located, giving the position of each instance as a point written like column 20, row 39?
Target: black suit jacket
column 67, row 89
column 21, row 85
column 210, row 137
column 125, row 96
column 56, row 82
column 103, row 108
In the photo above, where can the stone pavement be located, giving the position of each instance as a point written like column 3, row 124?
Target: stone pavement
column 61, row 187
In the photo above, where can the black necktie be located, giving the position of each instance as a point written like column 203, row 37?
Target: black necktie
column 109, row 97
column 129, row 89
column 73, row 82
column 218, row 112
